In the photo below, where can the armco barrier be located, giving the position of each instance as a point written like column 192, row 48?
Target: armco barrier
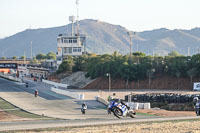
column 101, row 100
column 67, row 93
column 54, row 83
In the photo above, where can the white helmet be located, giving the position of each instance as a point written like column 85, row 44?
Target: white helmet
column 195, row 99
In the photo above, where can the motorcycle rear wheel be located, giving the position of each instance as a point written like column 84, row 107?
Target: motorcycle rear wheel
column 132, row 114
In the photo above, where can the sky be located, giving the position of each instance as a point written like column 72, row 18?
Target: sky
column 135, row 15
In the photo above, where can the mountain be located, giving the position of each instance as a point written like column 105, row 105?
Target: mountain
column 103, row 38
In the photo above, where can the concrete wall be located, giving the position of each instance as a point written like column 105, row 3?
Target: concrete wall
column 101, row 100
column 68, row 93
column 55, row 83
column 10, row 77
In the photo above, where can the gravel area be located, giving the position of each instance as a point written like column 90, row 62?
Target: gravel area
column 190, row 126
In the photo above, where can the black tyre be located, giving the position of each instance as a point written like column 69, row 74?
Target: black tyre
column 83, row 111
column 117, row 112
column 198, row 112
column 108, row 111
column 132, row 114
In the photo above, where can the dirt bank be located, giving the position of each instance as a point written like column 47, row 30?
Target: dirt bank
column 157, row 82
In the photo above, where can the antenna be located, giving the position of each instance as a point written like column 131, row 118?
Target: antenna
column 131, row 36
column 72, row 18
column 77, row 28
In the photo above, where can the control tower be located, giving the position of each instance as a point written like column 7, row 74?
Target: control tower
column 73, row 44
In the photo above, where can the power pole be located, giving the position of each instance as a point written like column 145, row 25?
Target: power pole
column 109, row 82
column 31, row 51
column 188, row 51
column 24, row 56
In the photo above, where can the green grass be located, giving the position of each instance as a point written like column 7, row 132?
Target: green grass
column 6, row 106
column 144, row 114
column 23, row 114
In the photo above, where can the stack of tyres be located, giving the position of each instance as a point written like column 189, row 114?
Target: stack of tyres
column 162, row 97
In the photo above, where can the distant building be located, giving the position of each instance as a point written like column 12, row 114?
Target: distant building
column 70, row 44
column 38, row 72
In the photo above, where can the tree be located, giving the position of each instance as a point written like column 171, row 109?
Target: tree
column 140, row 54
column 14, row 57
column 80, row 63
column 173, row 54
column 23, row 57
column 51, row 56
column 41, row 56
column 3, row 57
column 34, row 61
column 66, row 66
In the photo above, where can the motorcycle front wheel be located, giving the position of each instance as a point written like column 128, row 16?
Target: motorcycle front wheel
column 117, row 112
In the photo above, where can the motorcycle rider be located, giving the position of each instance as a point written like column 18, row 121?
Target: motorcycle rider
column 195, row 100
column 196, row 103
column 36, row 92
column 84, row 107
column 123, row 103
column 26, row 84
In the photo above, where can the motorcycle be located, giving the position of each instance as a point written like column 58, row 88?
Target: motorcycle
column 197, row 108
column 26, row 85
column 36, row 93
column 120, row 110
column 83, row 109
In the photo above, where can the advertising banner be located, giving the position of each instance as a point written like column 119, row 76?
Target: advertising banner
column 196, row 86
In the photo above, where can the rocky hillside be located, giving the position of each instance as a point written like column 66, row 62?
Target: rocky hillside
column 103, row 38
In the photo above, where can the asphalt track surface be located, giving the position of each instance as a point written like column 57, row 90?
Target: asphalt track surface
column 58, row 106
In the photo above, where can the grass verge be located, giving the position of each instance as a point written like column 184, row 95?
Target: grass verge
column 11, row 109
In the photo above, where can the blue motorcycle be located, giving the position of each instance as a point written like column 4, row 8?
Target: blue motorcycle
column 119, row 109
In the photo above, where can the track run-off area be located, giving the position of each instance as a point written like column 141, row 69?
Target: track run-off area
column 64, row 111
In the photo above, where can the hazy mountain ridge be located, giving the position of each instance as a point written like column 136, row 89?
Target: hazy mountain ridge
column 103, row 38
